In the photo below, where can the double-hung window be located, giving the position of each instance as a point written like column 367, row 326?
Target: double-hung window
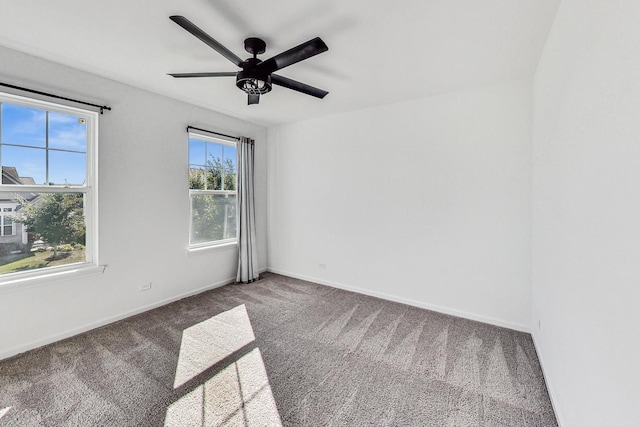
column 6, row 221
column 212, row 190
column 48, row 190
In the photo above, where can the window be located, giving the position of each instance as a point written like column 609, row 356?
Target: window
column 6, row 222
column 212, row 190
column 48, row 188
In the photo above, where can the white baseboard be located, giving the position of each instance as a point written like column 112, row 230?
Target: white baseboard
column 93, row 325
column 414, row 303
column 547, row 383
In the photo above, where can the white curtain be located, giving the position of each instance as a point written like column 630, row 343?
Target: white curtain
column 247, row 248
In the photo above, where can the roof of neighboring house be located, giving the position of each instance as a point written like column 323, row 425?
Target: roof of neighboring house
column 10, row 175
column 27, row 180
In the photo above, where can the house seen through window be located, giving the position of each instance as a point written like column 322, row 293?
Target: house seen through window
column 47, row 192
column 212, row 190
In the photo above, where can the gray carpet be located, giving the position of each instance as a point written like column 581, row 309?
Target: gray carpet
column 280, row 352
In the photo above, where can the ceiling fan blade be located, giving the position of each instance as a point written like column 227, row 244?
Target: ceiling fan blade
column 301, row 52
column 253, row 99
column 207, row 39
column 298, row 86
column 214, row 74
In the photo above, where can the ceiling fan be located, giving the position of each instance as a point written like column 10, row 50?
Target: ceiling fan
column 256, row 76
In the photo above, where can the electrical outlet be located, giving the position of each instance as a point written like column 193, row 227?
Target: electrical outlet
column 145, row 287
column 322, row 265
column 539, row 325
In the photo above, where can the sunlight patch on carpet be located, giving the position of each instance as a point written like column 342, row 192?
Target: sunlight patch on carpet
column 4, row 411
column 210, row 341
column 240, row 394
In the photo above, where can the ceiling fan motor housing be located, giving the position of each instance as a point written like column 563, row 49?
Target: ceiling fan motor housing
column 251, row 80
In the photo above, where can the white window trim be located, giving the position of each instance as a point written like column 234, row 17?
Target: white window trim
column 198, row 247
column 90, row 188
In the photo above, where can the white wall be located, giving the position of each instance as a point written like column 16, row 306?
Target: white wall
column 144, row 210
column 586, row 213
column 425, row 202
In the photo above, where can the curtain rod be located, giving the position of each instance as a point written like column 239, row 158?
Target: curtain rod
column 101, row 107
column 237, row 138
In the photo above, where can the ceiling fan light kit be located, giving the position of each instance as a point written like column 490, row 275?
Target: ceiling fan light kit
column 256, row 76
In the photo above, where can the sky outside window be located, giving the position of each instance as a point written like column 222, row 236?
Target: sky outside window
column 197, row 152
column 201, row 151
column 230, row 154
column 67, row 144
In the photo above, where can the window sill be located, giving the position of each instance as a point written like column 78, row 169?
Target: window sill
column 43, row 277
column 196, row 250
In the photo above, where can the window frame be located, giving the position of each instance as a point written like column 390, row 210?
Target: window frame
column 224, row 142
column 5, row 216
column 89, row 189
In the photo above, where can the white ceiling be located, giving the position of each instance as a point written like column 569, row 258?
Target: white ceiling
column 380, row 52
